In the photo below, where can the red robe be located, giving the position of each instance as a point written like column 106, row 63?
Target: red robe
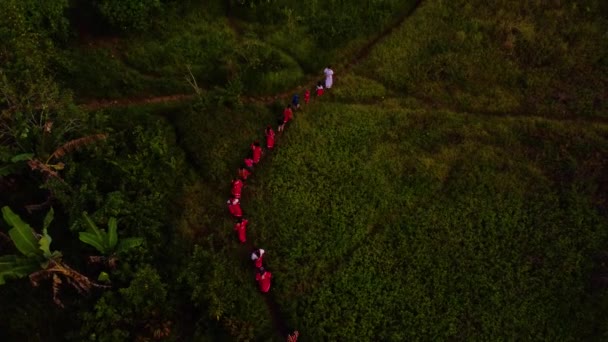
column 269, row 138
column 287, row 115
column 249, row 162
column 307, row 96
column 264, row 281
column 241, row 230
column 237, row 187
column 257, row 153
column 319, row 91
column 235, row 208
column 258, row 262
column 244, row 173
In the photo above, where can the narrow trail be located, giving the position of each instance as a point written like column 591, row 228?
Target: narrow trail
column 309, row 82
column 280, row 323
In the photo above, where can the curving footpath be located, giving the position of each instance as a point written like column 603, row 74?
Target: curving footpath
column 263, row 276
column 246, row 172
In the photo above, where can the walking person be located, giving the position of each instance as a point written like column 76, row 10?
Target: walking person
column 295, row 101
column 234, row 207
column 280, row 125
column 307, row 96
column 248, row 164
column 287, row 114
column 257, row 257
column 293, row 337
column 269, row 133
column 237, row 187
column 256, row 150
column 319, row 89
column 244, row 172
column 241, row 229
column 263, row 278
column 329, row 77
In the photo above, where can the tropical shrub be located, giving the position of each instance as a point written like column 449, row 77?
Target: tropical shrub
column 127, row 15
column 37, row 261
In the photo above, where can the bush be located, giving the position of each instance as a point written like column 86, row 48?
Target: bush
column 129, row 15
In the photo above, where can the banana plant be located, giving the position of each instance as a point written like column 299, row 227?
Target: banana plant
column 36, row 260
column 106, row 242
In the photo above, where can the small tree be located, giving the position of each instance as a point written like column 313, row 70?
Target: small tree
column 106, row 242
column 36, row 259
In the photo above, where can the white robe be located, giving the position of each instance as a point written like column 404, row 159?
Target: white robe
column 254, row 257
column 328, row 77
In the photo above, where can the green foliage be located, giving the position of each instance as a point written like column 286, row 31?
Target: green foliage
column 432, row 225
column 219, row 151
column 228, row 293
column 14, row 267
column 389, row 215
column 135, row 312
column 129, row 15
column 106, row 242
column 358, row 89
column 505, row 58
column 21, row 233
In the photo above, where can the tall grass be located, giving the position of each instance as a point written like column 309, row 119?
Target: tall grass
column 505, row 58
column 409, row 224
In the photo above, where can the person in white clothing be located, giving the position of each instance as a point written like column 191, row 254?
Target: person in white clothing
column 329, row 79
column 257, row 257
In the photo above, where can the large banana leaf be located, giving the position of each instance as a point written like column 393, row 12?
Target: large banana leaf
column 93, row 240
column 21, row 234
column 12, row 266
column 112, row 233
column 93, row 228
column 129, row 243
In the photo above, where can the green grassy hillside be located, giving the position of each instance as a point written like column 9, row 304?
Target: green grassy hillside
column 452, row 186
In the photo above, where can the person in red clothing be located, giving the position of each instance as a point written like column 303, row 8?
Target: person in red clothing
column 241, row 229
column 244, row 172
column 293, row 337
column 234, row 207
column 257, row 257
column 256, row 150
column 287, row 114
column 269, row 137
column 307, row 96
column 237, row 187
column 263, row 278
column 319, row 89
column 249, row 163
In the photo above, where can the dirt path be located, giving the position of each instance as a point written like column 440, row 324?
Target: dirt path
column 267, row 99
column 280, row 323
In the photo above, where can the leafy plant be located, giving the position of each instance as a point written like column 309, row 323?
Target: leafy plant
column 127, row 15
column 106, row 242
column 37, row 260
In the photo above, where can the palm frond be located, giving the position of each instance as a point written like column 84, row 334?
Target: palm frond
column 56, row 284
column 76, row 144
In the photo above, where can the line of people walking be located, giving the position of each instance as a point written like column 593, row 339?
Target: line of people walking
column 263, row 276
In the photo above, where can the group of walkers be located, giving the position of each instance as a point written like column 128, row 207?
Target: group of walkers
column 263, row 276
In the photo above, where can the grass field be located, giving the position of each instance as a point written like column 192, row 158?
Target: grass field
column 455, row 204
column 451, row 186
column 382, row 227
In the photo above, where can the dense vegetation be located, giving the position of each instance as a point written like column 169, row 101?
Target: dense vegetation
column 451, row 186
